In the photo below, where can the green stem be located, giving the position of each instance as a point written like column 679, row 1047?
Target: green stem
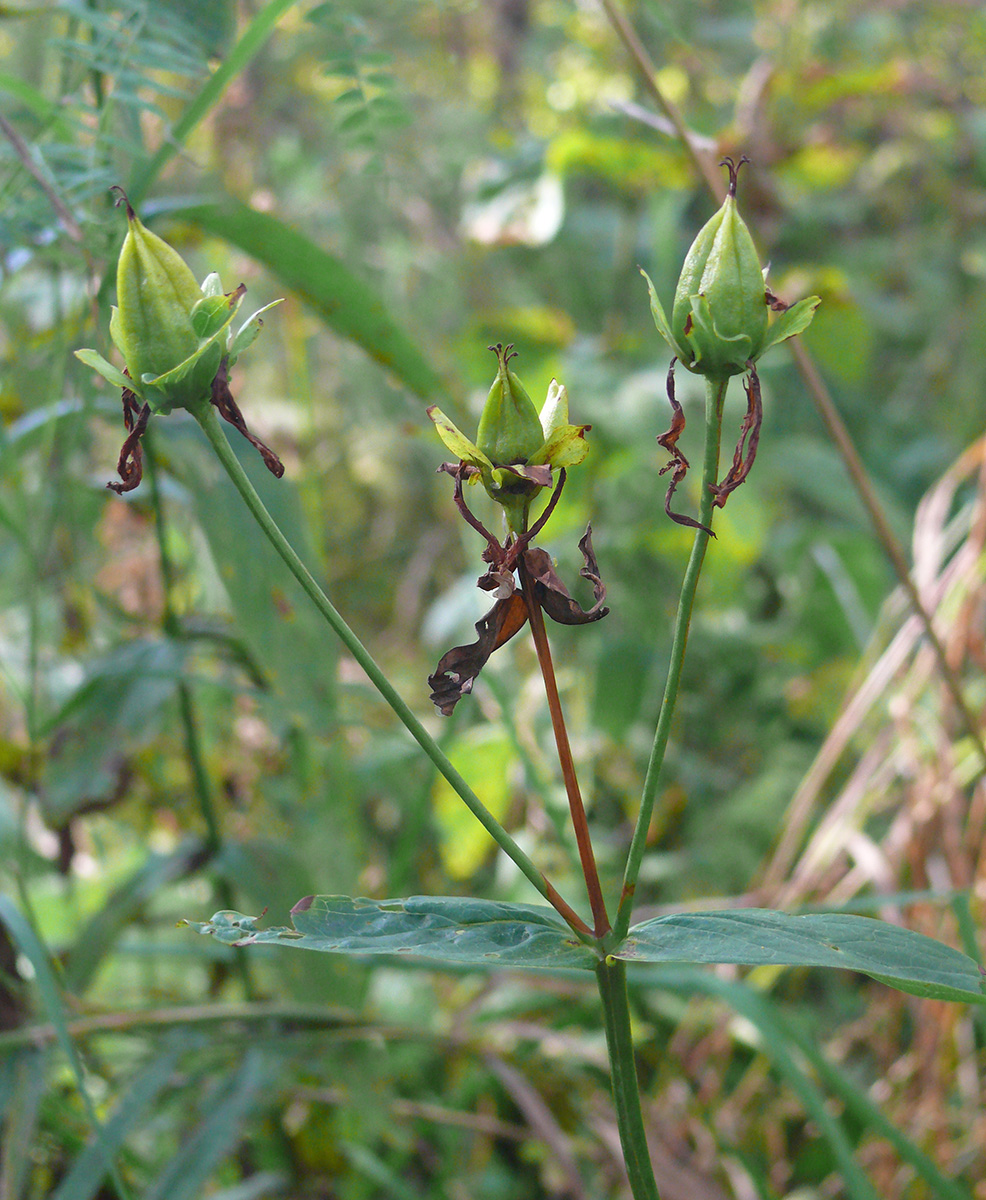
column 611, row 975
column 822, row 400
column 206, row 417
column 715, row 394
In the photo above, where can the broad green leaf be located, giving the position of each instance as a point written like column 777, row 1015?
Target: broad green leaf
column 753, row 937
column 348, row 305
column 795, row 320
column 451, row 929
column 265, row 871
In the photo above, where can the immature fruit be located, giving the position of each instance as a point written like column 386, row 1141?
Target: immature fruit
column 156, row 293
column 510, row 428
column 516, row 450
column 720, row 305
column 719, row 320
column 173, row 334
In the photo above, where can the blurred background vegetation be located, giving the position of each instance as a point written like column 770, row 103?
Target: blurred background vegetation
column 178, row 734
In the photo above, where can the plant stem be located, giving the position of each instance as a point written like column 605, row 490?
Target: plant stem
column 206, row 417
column 577, row 808
column 611, row 976
column 715, row 395
column 703, row 163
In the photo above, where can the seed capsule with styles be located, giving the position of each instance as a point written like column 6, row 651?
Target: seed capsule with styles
column 719, row 320
column 509, row 429
column 173, row 335
column 516, row 449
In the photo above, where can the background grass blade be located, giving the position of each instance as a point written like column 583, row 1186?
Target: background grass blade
column 348, row 305
column 30, row 946
column 787, row 1047
column 89, row 1169
column 187, row 1171
column 256, row 34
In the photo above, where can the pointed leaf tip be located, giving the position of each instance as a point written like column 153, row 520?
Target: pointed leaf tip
column 791, row 322
column 111, row 374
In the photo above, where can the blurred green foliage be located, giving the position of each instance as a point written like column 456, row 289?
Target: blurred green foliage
column 424, row 179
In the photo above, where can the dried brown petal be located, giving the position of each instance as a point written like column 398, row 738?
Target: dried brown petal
column 131, row 464
column 552, row 594
column 745, row 452
column 457, row 670
column 222, row 399
column 678, row 464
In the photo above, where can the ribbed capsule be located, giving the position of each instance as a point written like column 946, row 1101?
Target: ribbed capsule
column 719, row 315
column 510, row 428
column 156, row 293
column 719, row 320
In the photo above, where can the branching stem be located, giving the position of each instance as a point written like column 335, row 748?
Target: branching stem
column 206, row 417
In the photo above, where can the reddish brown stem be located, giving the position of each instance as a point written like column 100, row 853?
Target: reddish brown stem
column 563, row 908
column 577, row 808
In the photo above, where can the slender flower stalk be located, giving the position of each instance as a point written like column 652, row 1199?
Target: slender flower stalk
column 567, row 763
column 817, row 389
column 715, row 395
column 206, row 417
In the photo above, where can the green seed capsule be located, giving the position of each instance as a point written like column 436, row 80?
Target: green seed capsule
column 719, row 322
column 719, row 316
column 156, row 293
column 510, row 428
